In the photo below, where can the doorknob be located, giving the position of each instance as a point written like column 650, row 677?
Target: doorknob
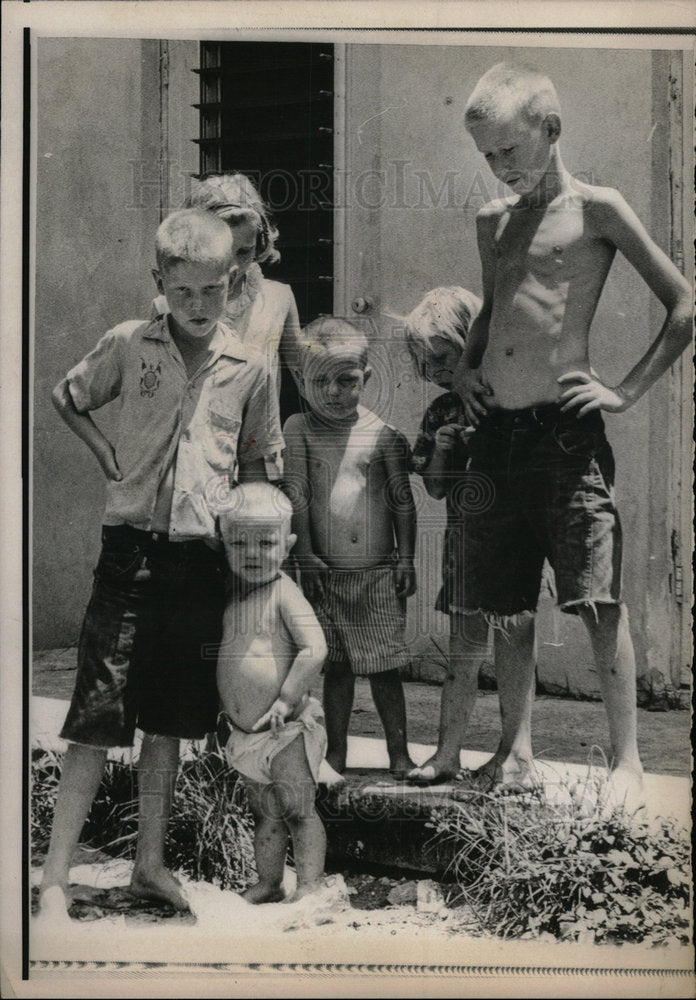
column 362, row 304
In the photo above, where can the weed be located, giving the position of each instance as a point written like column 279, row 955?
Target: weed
column 527, row 867
column 209, row 835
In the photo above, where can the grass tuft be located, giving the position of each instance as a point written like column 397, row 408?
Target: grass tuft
column 210, row 834
column 527, row 868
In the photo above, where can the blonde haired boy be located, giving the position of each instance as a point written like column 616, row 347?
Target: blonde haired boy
column 272, row 651
column 527, row 385
column 356, row 526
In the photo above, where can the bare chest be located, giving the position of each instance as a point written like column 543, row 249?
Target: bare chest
column 551, row 247
column 254, row 624
column 350, row 460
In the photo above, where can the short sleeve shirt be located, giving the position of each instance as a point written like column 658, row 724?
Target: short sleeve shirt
column 258, row 316
column 223, row 415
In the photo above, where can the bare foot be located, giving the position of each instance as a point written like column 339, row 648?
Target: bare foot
column 329, row 777
column 54, row 905
column 624, row 791
column 400, row 766
column 159, row 886
column 263, row 893
column 305, row 890
column 509, row 776
column 433, row 772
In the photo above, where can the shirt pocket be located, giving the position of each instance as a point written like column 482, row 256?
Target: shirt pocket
column 220, row 440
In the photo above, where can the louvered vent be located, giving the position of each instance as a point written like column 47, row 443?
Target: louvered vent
column 266, row 109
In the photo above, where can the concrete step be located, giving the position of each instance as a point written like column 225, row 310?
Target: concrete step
column 375, row 819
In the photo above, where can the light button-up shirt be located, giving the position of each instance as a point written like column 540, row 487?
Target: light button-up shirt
column 225, row 414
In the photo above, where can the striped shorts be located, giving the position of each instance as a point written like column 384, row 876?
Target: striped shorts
column 364, row 620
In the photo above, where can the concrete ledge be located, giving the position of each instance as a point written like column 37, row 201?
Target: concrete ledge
column 368, row 770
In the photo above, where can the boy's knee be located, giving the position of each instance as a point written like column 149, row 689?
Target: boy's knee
column 601, row 614
column 296, row 802
column 384, row 679
column 334, row 669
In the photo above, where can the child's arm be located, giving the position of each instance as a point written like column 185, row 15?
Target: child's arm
column 617, row 223
column 296, row 477
column 86, row 429
column 306, row 633
column 290, row 341
column 437, row 475
column 467, row 381
column 403, row 511
column 260, row 441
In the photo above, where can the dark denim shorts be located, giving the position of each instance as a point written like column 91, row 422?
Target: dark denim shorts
column 148, row 648
column 539, row 485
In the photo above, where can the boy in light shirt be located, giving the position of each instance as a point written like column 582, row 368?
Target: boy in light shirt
column 197, row 412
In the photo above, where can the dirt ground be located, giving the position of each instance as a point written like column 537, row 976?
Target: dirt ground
column 564, row 729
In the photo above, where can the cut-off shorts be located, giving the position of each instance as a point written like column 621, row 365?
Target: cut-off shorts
column 148, row 647
column 253, row 753
column 364, row 620
column 539, row 485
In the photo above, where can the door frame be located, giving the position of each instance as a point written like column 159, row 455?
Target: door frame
column 681, row 397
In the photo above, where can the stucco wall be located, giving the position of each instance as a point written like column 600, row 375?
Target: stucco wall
column 97, row 208
column 416, row 185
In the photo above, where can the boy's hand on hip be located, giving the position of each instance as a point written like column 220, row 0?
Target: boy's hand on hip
column 405, row 578
column 275, row 717
column 107, row 459
column 588, row 393
column 474, row 393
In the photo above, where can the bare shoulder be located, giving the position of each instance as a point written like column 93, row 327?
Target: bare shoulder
column 295, row 424
column 491, row 213
column 290, row 599
column 393, row 444
column 392, row 435
column 387, row 440
column 603, row 205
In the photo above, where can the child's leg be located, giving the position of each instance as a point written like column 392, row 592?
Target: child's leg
column 468, row 648
column 388, row 696
column 157, row 769
column 295, row 789
column 616, row 668
column 270, row 843
column 512, row 766
column 339, row 689
column 83, row 767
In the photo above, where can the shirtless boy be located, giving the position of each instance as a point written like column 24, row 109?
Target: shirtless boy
column 271, row 653
column 526, row 383
column 356, row 525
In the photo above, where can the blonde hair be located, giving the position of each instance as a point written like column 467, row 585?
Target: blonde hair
column 331, row 331
column 234, row 198
column 510, row 89
column 445, row 312
column 193, row 236
column 256, row 501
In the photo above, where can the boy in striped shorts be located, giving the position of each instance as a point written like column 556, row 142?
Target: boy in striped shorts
column 355, row 521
